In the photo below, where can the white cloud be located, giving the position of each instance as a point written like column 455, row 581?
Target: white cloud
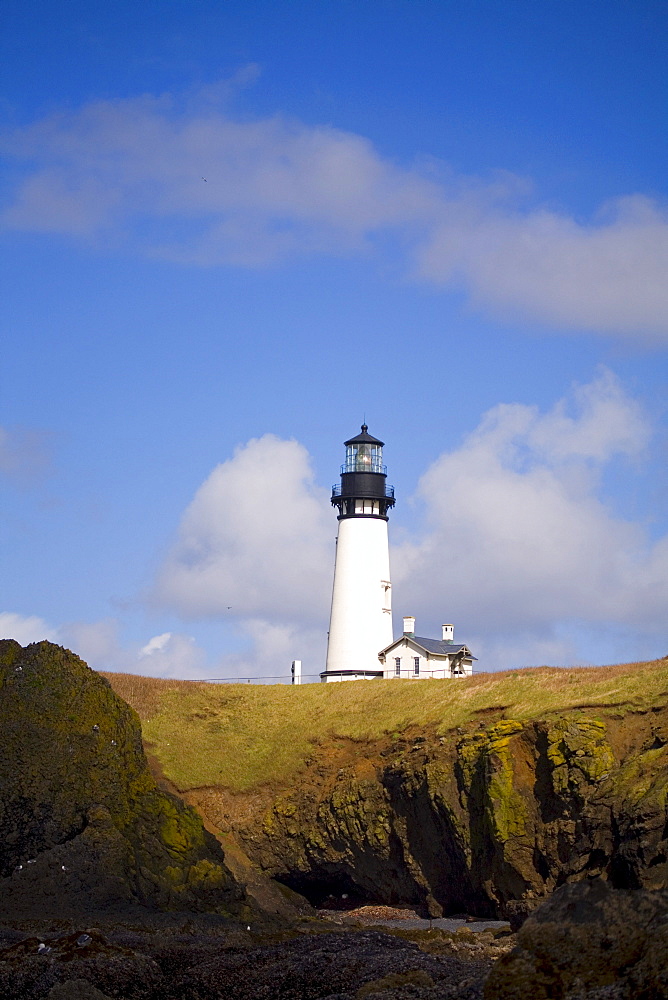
column 192, row 184
column 517, row 542
column 241, row 192
column 25, row 628
column 172, row 655
column 517, row 545
column 597, row 422
column 156, row 644
column 268, row 648
column 605, row 275
column 95, row 642
column 256, row 547
column 525, row 649
column 256, row 541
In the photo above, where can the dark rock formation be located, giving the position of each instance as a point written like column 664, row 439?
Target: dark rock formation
column 58, row 966
column 489, row 820
column 588, row 940
column 82, row 823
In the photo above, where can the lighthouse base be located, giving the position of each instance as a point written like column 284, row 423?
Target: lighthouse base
column 327, row 676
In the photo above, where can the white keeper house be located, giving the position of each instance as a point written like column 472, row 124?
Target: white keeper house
column 417, row 657
column 360, row 644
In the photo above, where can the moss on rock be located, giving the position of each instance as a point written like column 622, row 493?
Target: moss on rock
column 486, row 766
column 578, row 752
column 490, row 820
column 82, row 822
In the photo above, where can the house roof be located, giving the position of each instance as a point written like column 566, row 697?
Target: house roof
column 439, row 646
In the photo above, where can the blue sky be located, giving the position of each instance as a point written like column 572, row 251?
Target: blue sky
column 232, row 230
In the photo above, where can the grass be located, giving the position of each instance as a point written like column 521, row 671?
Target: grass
column 245, row 736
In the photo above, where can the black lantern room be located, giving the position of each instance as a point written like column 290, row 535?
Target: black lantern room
column 363, row 491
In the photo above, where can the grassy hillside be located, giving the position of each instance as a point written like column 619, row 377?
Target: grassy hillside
column 243, row 736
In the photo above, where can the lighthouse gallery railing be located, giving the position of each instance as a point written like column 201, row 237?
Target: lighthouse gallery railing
column 336, row 491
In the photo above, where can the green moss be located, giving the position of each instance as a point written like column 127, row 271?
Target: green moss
column 177, row 834
column 578, row 752
column 73, row 771
column 643, row 781
column 206, row 873
column 395, row 981
column 173, row 874
column 485, row 763
column 470, row 753
column 506, row 811
column 283, row 807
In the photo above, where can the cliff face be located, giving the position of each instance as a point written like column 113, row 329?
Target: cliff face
column 487, row 820
column 82, row 823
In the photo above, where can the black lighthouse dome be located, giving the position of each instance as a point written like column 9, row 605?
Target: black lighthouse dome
column 363, row 491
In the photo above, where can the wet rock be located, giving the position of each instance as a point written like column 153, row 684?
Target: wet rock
column 82, row 823
column 589, row 941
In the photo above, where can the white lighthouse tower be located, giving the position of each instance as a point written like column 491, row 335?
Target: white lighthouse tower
column 360, row 624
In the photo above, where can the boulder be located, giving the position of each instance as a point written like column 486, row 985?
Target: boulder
column 588, row 939
column 82, row 823
column 84, row 965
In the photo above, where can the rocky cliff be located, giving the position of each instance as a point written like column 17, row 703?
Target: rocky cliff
column 488, row 819
column 82, row 823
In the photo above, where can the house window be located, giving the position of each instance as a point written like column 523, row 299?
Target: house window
column 397, row 666
column 416, row 664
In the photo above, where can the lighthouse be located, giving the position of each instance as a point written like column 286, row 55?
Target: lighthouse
column 360, row 624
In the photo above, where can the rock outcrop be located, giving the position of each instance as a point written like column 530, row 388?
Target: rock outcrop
column 82, row 824
column 586, row 938
column 489, row 820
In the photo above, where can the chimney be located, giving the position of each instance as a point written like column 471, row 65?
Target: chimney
column 409, row 625
column 448, row 633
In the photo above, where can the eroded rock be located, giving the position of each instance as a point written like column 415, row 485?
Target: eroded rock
column 586, row 938
column 488, row 821
column 82, row 823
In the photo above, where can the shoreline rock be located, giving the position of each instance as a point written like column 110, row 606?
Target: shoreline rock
column 83, row 826
column 587, row 938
